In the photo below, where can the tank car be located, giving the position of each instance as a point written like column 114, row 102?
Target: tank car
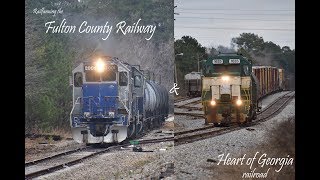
column 231, row 88
column 113, row 101
column 193, row 84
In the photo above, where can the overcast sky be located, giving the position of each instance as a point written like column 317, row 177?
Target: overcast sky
column 215, row 22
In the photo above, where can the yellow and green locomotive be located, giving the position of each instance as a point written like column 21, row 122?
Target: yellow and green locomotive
column 229, row 90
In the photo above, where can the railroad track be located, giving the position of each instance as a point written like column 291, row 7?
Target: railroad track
column 66, row 159
column 193, row 130
column 187, row 101
column 275, row 107
column 210, row 131
column 197, row 115
column 187, row 105
column 59, row 161
column 191, row 108
column 190, row 114
column 271, row 104
column 181, row 99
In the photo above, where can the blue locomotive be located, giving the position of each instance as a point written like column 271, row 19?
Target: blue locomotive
column 113, row 101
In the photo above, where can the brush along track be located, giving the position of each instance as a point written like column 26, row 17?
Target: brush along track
column 59, row 161
column 208, row 132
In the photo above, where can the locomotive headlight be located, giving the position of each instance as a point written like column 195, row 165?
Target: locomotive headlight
column 213, row 103
column 239, row 102
column 225, row 78
column 100, row 66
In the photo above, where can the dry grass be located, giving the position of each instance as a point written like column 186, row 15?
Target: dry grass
column 168, row 125
column 280, row 143
column 63, row 133
column 44, row 144
column 178, row 126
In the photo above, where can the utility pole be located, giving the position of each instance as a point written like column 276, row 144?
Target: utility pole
column 175, row 67
column 198, row 59
column 175, row 73
column 198, row 64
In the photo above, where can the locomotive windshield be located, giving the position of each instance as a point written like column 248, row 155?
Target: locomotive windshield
column 92, row 76
column 106, row 73
column 226, row 68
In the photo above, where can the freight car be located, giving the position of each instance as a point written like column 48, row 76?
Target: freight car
column 193, row 84
column 231, row 88
column 113, row 101
column 270, row 79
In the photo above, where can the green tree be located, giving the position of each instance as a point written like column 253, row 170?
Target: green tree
column 266, row 53
column 192, row 51
column 50, row 58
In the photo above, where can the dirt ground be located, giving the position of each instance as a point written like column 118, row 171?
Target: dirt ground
column 39, row 147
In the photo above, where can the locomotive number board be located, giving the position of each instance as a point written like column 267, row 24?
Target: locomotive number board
column 234, row 61
column 217, row 61
column 108, row 67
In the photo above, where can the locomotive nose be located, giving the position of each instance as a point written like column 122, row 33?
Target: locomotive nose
column 100, row 99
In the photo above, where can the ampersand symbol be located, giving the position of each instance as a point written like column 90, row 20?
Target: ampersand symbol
column 174, row 89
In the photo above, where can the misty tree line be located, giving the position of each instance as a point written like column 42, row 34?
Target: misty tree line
column 248, row 44
column 50, row 58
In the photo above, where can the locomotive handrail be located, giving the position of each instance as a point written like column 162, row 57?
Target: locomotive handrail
column 120, row 101
column 74, row 105
column 91, row 98
column 124, row 106
column 111, row 96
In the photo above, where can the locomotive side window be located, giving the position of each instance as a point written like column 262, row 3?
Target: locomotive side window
column 77, row 79
column 123, row 78
column 137, row 81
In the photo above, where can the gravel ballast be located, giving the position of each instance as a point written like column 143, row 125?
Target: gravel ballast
column 197, row 160
column 191, row 159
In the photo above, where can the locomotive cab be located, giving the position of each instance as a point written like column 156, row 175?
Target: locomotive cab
column 100, row 111
column 227, row 90
column 113, row 101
